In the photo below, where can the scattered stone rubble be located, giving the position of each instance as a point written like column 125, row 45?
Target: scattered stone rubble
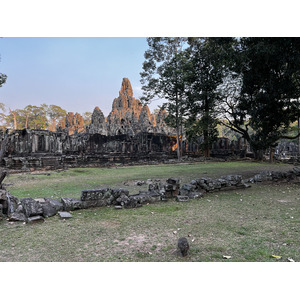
column 31, row 210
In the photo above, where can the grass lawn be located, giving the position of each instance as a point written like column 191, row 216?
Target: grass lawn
column 248, row 225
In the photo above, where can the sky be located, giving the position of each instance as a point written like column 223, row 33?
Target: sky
column 75, row 73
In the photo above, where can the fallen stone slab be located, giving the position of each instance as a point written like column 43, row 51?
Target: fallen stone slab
column 35, row 219
column 64, row 215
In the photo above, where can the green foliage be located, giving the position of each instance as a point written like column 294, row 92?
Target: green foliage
column 165, row 75
column 35, row 117
column 262, row 90
column 207, row 68
column 3, row 78
column 55, row 114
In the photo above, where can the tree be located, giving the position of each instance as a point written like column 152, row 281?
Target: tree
column 36, row 117
column 164, row 76
column 208, row 66
column 55, row 114
column 3, row 78
column 261, row 92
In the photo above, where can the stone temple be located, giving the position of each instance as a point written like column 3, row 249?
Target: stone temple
column 129, row 133
column 128, row 116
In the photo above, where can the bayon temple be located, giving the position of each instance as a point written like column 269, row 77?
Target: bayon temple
column 129, row 133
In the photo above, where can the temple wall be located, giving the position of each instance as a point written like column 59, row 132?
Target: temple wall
column 41, row 148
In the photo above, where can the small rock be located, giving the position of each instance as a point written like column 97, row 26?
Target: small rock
column 64, row 215
column 118, row 207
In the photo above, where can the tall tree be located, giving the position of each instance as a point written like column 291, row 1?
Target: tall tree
column 36, row 117
column 164, row 76
column 261, row 94
column 208, row 66
column 55, row 114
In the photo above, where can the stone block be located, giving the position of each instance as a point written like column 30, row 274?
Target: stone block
column 55, row 203
column 31, row 207
column 70, row 204
column 17, row 217
column 173, row 181
column 48, row 210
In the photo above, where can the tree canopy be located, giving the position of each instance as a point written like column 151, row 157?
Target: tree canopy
column 261, row 93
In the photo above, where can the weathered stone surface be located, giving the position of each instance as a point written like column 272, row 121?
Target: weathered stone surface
column 296, row 170
column 35, row 219
column 123, row 200
column 171, row 188
column 48, row 210
column 70, row 204
column 55, row 203
column 64, row 215
column 31, row 207
column 173, row 181
column 98, row 124
column 182, row 198
column 15, row 216
column 9, row 202
column 74, row 123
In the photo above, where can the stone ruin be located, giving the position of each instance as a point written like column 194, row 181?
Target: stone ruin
column 31, row 210
column 130, row 133
column 128, row 116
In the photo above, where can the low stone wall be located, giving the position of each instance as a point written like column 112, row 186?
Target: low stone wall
column 35, row 210
column 72, row 161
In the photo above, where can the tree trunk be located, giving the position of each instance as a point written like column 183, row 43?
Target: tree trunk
column 271, row 155
column 206, row 130
column 258, row 154
column 26, row 124
column 15, row 118
column 178, row 143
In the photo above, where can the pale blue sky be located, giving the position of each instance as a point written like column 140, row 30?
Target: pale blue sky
column 74, row 73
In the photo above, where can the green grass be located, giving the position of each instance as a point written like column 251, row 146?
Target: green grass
column 70, row 183
column 264, row 223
